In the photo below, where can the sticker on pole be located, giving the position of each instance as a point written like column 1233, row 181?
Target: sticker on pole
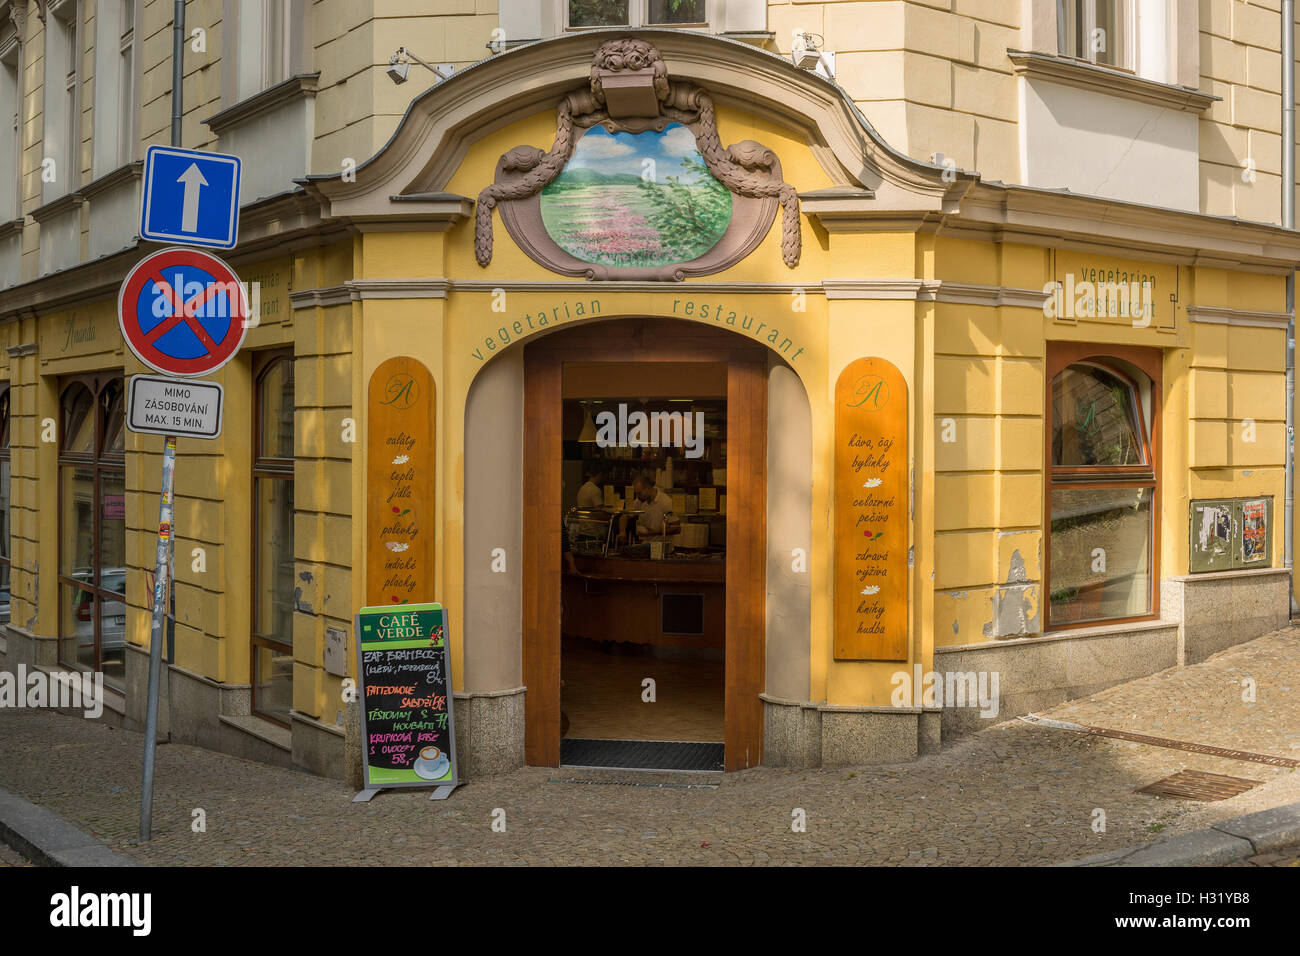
column 183, row 312
column 169, row 406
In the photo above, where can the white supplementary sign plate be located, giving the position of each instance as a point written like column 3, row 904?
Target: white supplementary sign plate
column 174, row 406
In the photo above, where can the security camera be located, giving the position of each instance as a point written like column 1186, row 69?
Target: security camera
column 804, row 51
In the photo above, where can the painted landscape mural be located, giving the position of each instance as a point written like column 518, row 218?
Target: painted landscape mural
column 636, row 200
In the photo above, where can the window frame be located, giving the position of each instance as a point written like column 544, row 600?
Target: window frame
column 638, row 12
column 99, row 461
column 277, row 39
column 126, row 84
column 6, row 457
column 11, row 47
column 1061, row 355
column 67, row 13
column 1127, row 13
column 272, row 469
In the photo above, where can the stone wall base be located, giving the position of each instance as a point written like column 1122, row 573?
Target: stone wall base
column 1038, row 673
column 1217, row 611
column 317, row 746
column 34, row 650
column 489, row 731
column 137, row 691
column 805, row 734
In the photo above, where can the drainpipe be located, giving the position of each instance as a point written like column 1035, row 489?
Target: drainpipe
column 1288, row 221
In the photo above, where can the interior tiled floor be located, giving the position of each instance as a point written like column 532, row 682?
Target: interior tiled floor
column 601, row 695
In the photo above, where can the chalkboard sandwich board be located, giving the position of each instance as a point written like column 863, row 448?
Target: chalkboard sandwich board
column 408, row 735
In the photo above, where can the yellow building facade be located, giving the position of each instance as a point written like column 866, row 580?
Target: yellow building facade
column 1088, row 385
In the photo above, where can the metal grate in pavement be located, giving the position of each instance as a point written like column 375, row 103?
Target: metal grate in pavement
column 1193, row 747
column 1199, row 785
column 1166, row 742
column 640, row 754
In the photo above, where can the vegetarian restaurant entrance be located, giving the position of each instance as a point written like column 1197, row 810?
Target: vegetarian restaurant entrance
column 652, row 473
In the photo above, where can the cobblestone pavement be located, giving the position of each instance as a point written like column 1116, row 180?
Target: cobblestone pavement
column 9, row 858
column 1014, row 794
column 1286, row 856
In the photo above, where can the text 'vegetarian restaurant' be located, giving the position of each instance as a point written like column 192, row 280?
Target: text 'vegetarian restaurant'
column 708, row 416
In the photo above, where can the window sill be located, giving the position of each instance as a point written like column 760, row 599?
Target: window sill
column 297, row 87
column 1238, row 574
column 1081, row 632
column 699, row 27
column 1112, row 82
column 124, row 173
column 64, row 204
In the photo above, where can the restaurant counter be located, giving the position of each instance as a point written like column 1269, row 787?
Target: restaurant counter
column 622, row 599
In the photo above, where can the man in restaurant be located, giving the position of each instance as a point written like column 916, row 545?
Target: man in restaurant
column 591, row 495
column 657, row 517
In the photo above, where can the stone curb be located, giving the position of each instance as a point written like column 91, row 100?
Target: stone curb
column 49, row 840
column 1222, row 843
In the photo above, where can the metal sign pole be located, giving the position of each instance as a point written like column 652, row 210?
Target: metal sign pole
column 160, row 579
column 162, row 561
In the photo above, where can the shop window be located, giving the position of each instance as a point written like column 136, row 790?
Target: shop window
column 1099, row 31
column 635, row 13
column 273, row 555
column 92, row 526
column 6, row 552
column 1102, row 485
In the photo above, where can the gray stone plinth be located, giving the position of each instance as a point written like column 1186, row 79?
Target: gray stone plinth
column 489, row 732
column 1036, row 674
column 317, row 746
column 867, row 735
column 792, row 733
column 1219, row 610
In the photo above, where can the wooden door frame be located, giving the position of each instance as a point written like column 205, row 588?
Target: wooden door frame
column 650, row 341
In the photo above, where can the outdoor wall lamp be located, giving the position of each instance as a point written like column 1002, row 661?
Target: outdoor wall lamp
column 399, row 65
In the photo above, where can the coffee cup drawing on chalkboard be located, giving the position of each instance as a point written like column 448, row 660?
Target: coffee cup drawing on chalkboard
column 431, row 764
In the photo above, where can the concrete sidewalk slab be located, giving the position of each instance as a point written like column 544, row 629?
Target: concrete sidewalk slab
column 1222, row 843
column 48, row 839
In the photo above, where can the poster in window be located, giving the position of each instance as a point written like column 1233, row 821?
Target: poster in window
column 1254, row 531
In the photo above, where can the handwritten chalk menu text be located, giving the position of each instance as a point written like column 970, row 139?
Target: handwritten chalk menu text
column 871, row 527
column 400, row 459
column 407, row 728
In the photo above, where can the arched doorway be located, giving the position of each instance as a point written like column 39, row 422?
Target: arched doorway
column 663, row 344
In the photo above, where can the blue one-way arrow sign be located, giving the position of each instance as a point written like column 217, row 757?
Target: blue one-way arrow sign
column 190, row 196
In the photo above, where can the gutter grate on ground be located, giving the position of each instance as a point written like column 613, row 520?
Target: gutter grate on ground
column 1166, row 742
column 1199, row 785
column 1194, row 748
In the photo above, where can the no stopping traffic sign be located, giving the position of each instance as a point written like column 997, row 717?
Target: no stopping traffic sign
column 183, row 312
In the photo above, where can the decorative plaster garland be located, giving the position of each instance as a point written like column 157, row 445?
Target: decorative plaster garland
column 746, row 168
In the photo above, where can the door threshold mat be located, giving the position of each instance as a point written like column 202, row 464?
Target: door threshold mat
column 640, row 754
column 625, row 782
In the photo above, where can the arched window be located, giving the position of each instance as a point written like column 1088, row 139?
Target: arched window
column 273, row 579
column 92, row 526
column 1102, row 484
